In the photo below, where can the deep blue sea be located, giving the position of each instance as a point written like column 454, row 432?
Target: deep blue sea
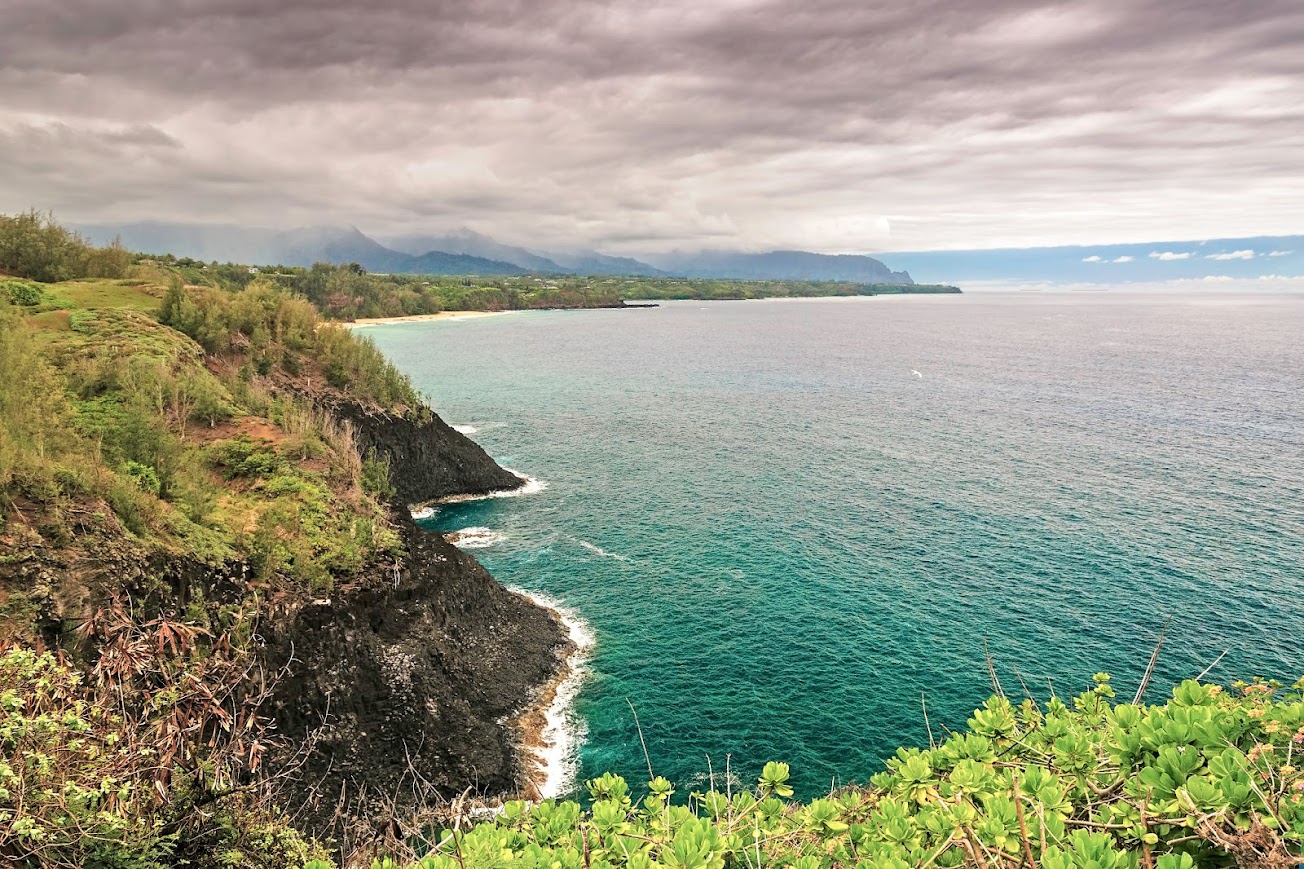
column 785, row 521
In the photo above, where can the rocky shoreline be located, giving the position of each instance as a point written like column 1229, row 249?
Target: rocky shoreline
column 432, row 670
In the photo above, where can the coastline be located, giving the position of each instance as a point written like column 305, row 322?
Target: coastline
column 549, row 736
column 418, row 318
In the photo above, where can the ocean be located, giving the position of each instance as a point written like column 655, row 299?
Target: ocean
column 789, row 524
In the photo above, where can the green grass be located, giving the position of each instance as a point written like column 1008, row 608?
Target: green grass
column 133, row 295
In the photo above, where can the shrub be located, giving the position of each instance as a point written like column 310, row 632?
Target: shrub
column 242, row 457
column 143, row 476
column 375, row 479
column 1210, row 778
column 21, row 293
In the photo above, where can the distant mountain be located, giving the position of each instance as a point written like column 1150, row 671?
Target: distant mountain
column 787, row 265
column 308, row 245
column 466, row 252
column 593, row 263
column 1255, row 257
column 296, row 247
column 470, row 243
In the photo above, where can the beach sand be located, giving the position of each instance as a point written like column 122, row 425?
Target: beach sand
column 415, row 318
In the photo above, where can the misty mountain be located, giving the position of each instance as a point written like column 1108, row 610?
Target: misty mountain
column 787, row 265
column 593, row 263
column 468, row 252
column 470, row 243
column 297, row 247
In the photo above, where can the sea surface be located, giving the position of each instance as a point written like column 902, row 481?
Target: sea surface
column 787, row 523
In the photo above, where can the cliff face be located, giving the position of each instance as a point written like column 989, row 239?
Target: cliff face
column 405, row 689
column 405, row 686
column 428, row 459
column 398, row 686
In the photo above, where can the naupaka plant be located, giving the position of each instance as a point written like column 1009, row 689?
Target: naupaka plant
column 1209, row 778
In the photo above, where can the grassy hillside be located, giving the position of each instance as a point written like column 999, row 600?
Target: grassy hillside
column 184, row 412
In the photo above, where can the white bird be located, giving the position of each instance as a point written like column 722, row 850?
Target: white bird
column 915, row 373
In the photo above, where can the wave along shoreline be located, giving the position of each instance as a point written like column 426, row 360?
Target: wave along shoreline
column 552, row 733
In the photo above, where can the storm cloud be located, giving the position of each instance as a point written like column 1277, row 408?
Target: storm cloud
column 638, row 125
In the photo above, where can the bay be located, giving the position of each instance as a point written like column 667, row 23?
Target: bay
column 786, row 521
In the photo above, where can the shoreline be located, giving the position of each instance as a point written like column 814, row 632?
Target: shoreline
column 549, row 736
column 419, row 318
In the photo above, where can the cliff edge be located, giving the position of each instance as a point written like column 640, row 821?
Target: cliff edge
column 405, row 688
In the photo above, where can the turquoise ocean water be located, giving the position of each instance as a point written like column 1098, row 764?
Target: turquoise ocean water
column 783, row 521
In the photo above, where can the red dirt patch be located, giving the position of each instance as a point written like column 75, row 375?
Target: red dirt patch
column 253, row 427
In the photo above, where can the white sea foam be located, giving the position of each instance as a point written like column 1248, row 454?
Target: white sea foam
column 465, row 429
column 476, row 537
column 591, row 547
column 423, row 513
column 563, row 732
column 529, row 486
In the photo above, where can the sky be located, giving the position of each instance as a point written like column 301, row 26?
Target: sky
column 635, row 126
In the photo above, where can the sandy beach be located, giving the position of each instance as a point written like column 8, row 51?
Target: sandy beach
column 414, row 318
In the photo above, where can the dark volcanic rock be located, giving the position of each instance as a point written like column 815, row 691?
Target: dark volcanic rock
column 428, row 460
column 411, row 677
column 414, row 678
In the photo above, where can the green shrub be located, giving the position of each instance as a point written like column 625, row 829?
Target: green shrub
column 143, row 476
column 21, row 293
column 242, row 457
column 1208, row 779
column 375, row 478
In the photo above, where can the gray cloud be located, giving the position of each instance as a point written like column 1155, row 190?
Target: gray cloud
column 837, row 125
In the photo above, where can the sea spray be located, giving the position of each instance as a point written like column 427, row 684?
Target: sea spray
column 529, row 486
column 475, row 537
column 598, row 550
column 563, row 733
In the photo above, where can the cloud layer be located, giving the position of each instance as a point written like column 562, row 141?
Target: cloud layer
column 834, row 125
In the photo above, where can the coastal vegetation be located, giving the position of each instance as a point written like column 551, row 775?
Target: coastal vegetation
column 173, row 481
column 1209, row 778
column 347, row 292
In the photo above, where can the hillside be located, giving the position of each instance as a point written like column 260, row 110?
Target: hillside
column 204, row 502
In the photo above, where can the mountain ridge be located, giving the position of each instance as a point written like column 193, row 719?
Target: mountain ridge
column 467, row 252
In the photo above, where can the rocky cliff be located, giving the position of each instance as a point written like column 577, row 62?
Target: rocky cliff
column 401, row 685
column 428, row 459
column 407, row 687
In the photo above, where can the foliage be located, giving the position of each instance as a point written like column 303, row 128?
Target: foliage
column 275, row 330
column 143, row 762
column 23, row 293
column 243, row 457
column 1209, row 778
column 33, row 246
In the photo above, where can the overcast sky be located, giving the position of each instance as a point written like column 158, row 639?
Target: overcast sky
column 641, row 125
